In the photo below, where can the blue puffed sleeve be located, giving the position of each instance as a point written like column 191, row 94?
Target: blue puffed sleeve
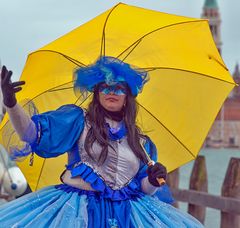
column 57, row 131
column 152, row 152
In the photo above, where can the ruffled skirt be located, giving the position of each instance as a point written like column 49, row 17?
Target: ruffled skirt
column 63, row 206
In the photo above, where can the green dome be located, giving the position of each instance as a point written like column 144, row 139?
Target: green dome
column 211, row 4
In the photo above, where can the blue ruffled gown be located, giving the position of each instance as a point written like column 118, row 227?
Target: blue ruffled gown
column 67, row 206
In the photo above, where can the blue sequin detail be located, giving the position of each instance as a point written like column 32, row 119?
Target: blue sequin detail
column 131, row 190
column 117, row 133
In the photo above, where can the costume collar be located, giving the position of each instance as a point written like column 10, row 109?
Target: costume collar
column 116, row 133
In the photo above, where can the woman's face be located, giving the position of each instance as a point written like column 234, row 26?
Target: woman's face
column 112, row 98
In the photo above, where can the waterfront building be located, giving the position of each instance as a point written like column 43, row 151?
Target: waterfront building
column 225, row 131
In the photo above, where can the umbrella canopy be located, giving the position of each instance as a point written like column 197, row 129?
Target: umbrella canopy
column 188, row 79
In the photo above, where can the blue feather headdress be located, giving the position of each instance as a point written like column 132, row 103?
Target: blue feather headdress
column 109, row 70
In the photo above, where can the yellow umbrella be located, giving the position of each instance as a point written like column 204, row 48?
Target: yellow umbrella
column 188, row 79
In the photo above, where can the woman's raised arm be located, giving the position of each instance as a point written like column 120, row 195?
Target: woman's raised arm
column 21, row 122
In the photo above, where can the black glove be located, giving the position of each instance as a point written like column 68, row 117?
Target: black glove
column 156, row 171
column 8, row 88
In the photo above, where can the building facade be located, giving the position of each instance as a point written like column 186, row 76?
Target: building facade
column 225, row 131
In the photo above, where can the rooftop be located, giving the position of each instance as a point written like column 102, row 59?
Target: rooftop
column 210, row 4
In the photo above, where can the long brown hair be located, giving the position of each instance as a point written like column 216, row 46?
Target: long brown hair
column 99, row 133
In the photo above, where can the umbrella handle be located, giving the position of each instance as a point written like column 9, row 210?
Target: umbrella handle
column 160, row 180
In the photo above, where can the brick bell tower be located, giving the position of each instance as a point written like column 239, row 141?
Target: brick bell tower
column 211, row 12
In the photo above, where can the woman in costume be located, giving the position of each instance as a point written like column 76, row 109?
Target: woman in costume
column 107, row 182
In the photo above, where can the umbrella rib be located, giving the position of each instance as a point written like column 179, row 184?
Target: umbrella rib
column 103, row 43
column 134, row 46
column 83, row 100
column 76, row 62
column 167, row 130
column 54, row 90
column 49, row 90
column 77, row 100
column 149, row 33
column 148, row 69
column 40, row 174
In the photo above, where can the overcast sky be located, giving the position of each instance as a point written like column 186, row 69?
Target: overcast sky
column 27, row 25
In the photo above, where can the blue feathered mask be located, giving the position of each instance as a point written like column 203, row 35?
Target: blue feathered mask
column 109, row 70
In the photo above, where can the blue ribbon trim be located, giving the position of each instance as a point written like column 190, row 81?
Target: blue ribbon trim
column 132, row 190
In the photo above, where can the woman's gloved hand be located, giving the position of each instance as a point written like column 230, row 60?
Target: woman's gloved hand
column 9, row 88
column 156, row 171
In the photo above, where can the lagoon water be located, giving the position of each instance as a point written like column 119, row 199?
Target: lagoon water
column 217, row 161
